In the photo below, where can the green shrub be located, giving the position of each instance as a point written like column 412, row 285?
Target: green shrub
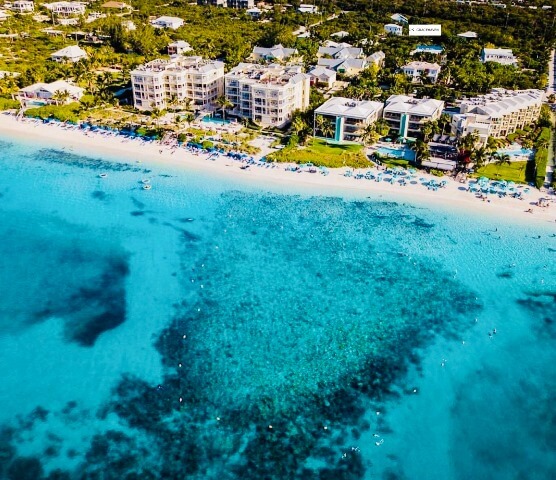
column 182, row 137
column 541, row 160
column 8, row 103
column 64, row 113
column 207, row 144
column 437, row 173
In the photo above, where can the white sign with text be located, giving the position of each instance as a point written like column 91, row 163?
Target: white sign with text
column 425, row 30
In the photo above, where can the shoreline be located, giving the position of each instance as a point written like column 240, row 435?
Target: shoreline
column 449, row 198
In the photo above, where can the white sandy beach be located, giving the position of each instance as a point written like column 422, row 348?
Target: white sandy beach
column 452, row 196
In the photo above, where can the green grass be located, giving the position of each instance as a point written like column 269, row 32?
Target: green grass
column 394, row 162
column 514, row 172
column 324, row 154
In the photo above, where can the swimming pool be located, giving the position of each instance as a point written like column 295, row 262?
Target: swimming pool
column 218, row 121
column 519, row 152
column 401, row 153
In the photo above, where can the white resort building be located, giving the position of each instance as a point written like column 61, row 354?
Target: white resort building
column 347, row 117
column 178, row 48
column 393, row 29
column 272, row 54
column 53, row 93
column 499, row 55
column 167, row 22
column 498, row 113
column 406, row 115
column 267, row 94
column 66, row 8
column 419, row 71
column 157, row 82
column 22, row 6
column 69, row 54
column 322, row 76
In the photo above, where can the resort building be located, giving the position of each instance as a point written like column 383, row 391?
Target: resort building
column 243, row 4
column 66, row 8
column 178, row 48
column 322, row 76
column 468, row 34
column 419, row 71
column 393, row 29
column 339, row 51
column 306, row 8
column 376, row 58
column 273, row 54
column 156, row 83
column 23, row 6
column 499, row 55
column 406, row 115
column 212, row 3
column 398, row 17
column 498, row 113
column 348, row 66
column 254, row 12
column 347, row 117
column 69, row 54
column 53, row 93
column 267, row 94
column 167, row 22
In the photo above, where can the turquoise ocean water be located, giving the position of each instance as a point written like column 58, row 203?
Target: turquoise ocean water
column 211, row 329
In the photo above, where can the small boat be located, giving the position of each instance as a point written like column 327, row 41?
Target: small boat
column 102, row 175
column 145, row 181
column 147, row 186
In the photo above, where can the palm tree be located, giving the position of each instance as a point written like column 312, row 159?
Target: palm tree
column 368, row 134
column 501, row 159
column 323, row 126
column 157, row 114
column 421, row 150
column 188, row 118
column 480, row 156
column 60, row 96
column 444, row 121
column 382, row 127
column 427, row 130
column 298, row 125
column 224, row 103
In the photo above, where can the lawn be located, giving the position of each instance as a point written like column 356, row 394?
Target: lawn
column 320, row 153
column 514, row 172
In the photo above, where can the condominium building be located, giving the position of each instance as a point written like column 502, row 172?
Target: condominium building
column 178, row 48
column 156, row 83
column 499, row 55
column 22, row 6
column 498, row 113
column 66, row 8
column 275, row 53
column 346, row 117
column 240, row 3
column 393, row 29
column 419, row 71
column 267, row 94
column 406, row 115
column 167, row 22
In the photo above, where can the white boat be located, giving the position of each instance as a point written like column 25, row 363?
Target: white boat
column 145, row 181
column 147, row 187
column 102, row 175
